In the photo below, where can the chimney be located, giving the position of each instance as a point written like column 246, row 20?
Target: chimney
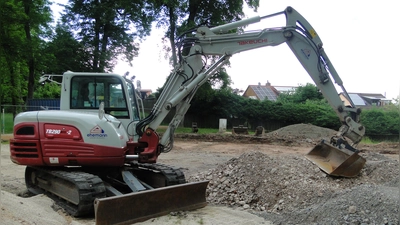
column 268, row 84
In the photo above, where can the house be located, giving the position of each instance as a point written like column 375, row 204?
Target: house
column 364, row 100
column 271, row 93
column 266, row 91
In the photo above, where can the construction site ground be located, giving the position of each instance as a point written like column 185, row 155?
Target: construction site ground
column 253, row 180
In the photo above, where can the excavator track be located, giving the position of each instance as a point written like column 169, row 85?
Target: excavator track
column 75, row 191
column 172, row 175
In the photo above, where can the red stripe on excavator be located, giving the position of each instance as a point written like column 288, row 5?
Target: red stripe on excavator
column 49, row 147
column 151, row 151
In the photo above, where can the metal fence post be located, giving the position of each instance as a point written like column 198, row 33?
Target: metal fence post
column 3, row 123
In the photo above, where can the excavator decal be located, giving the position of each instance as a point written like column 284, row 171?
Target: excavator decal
column 257, row 41
column 313, row 33
column 97, row 132
column 306, row 52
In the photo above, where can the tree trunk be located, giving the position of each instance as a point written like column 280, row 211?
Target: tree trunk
column 29, row 51
column 103, row 52
column 96, row 41
column 172, row 21
column 13, row 78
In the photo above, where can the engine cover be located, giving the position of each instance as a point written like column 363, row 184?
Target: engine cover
column 59, row 138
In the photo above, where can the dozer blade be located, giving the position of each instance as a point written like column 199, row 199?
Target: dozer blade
column 335, row 161
column 144, row 205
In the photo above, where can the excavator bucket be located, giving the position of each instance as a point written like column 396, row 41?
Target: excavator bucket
column 144, row 205
column 335, row 161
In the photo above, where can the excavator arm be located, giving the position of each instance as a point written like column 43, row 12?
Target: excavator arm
column 308, row 48
column 193, row 70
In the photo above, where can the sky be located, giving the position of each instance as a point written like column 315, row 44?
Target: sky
column 359, row 37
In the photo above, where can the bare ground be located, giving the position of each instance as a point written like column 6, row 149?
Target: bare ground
column 253, row 180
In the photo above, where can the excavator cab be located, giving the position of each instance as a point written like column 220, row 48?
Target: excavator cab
column 335, row 161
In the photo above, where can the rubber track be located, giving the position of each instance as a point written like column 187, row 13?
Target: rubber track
column 172, row 175
column 90, row 187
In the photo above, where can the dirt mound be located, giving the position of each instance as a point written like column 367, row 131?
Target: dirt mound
column 303, row 131
column 291, row 190
column 298, row 134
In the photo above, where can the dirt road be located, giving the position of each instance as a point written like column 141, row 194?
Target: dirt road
column 260, row 182
column 191, row 157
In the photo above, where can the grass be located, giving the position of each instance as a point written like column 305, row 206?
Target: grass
column 183, row 130
column 368, row 140
column 6, row 123
column 9, row 124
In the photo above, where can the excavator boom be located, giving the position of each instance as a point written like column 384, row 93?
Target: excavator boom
column 219, row 42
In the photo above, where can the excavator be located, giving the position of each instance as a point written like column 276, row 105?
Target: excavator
column 98, row 155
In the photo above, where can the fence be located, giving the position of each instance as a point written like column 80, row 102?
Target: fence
column 7, row 116
column 41, row 104
column 202, row 122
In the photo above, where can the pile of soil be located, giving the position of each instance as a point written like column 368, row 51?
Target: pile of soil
column 303, row 131
column 289, row 186
column 297, row 134
column 291, row 190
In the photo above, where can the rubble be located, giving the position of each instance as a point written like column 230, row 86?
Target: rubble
column 289, row 185
column 291, row 190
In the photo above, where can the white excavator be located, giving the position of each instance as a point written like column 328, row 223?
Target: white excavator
column 97, row 155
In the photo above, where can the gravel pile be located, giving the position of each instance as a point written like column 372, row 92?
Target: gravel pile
column 302, row 132
column 292, row 135
column 291, row 190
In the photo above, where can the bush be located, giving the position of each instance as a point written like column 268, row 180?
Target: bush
column 381, row 120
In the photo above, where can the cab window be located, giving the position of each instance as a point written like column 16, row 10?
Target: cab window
column 89, row 91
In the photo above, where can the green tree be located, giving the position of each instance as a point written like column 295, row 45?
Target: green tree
column 36, row 25
column 381, row 120
column 24, row 24
column 396, row 101
column 180, row 17
column 12, row 63
column 108, row 29
column 49, row 90
column 302, row 94
column 64, row 53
